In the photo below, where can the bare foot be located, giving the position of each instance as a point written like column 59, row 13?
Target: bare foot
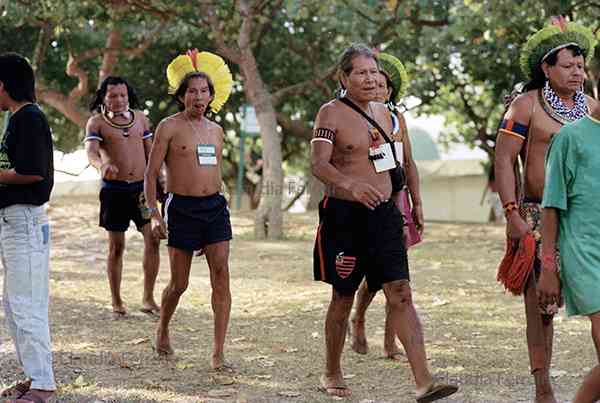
column 151, row 309
column 119, row 311
column 359, row 339
column 397, row 355
column 218, row 363
column 150, row 305
column 163, row 344
column 334, row 386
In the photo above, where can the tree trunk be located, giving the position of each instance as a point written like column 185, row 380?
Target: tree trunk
column 269, row 215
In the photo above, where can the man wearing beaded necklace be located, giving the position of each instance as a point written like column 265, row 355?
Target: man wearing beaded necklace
column 118, row 141
column 553, row 59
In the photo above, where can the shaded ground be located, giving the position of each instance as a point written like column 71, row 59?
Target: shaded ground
column 474, row 332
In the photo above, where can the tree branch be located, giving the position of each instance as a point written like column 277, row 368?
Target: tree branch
column 73, row 70
column 211, row 21
column 39, row 55
column 109, row 58
column 266, row 27
column 146, row 42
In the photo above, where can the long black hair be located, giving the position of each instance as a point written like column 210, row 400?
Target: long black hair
column 17, row 77
column 539, row 78
column 96, row 104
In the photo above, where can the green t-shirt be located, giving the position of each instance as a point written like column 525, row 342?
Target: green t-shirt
column 572, row 186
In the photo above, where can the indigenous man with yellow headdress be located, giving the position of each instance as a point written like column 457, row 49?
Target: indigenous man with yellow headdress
column 196, row 215
column 553, row 59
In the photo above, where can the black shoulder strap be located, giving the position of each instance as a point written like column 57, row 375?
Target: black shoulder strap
column 369, row 119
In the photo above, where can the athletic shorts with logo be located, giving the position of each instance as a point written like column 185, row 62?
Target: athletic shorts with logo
column 354, row 242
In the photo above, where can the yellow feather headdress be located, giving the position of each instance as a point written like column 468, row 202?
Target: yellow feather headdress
column 210, row 64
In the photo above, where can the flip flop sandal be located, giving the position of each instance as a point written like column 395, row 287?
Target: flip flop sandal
column 16, row 391
column 437, row 391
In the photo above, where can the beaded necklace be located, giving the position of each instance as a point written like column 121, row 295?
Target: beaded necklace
column 556, row 108
column 122, row 126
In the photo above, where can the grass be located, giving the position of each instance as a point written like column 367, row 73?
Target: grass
column 474, row 331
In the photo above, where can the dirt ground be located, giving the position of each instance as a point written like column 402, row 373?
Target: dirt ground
column 474, row 331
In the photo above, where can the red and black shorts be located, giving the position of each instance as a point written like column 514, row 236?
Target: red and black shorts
column 354, row 242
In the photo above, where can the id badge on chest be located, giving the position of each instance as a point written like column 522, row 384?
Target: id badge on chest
column 382, row 157
column 207, row 154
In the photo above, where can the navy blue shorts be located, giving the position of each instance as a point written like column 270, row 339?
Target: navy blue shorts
column 120, row 203
column 354, row 242
column 194, row 222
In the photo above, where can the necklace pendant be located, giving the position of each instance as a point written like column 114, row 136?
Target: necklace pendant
column 125, row 132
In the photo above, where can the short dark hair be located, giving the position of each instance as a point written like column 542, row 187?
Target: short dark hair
column 98, row 100
column 185, row 83
column 17, row 77
column 345, row 64
column 539, row 78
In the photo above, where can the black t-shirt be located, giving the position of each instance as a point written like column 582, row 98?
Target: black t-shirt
column 27, row 148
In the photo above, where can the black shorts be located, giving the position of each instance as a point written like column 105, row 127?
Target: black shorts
column 354, row 242
column 194, row 222
column 120, row 203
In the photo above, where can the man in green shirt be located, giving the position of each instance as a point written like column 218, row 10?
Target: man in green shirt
column 571, row 217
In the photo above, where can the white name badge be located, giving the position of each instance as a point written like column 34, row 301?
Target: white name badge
column 384, row 160
column 207, row 154
column 399, row 147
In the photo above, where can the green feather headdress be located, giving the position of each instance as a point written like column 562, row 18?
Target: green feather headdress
column 551, row 38
column 396, row 72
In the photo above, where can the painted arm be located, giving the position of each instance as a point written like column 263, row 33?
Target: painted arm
column 92, row 148
column 508, row 147
column 326, row 172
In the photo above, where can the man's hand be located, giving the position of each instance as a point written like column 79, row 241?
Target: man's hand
column 517, row 227
column 109, row 171
column 548, row 286
column 158, row 226
column 366, row 194
column 417, row 212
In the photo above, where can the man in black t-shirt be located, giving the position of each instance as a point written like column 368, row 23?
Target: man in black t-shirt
column 26, row 179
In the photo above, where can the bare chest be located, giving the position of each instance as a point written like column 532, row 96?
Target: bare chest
column 122, row 139
column 190, row 145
